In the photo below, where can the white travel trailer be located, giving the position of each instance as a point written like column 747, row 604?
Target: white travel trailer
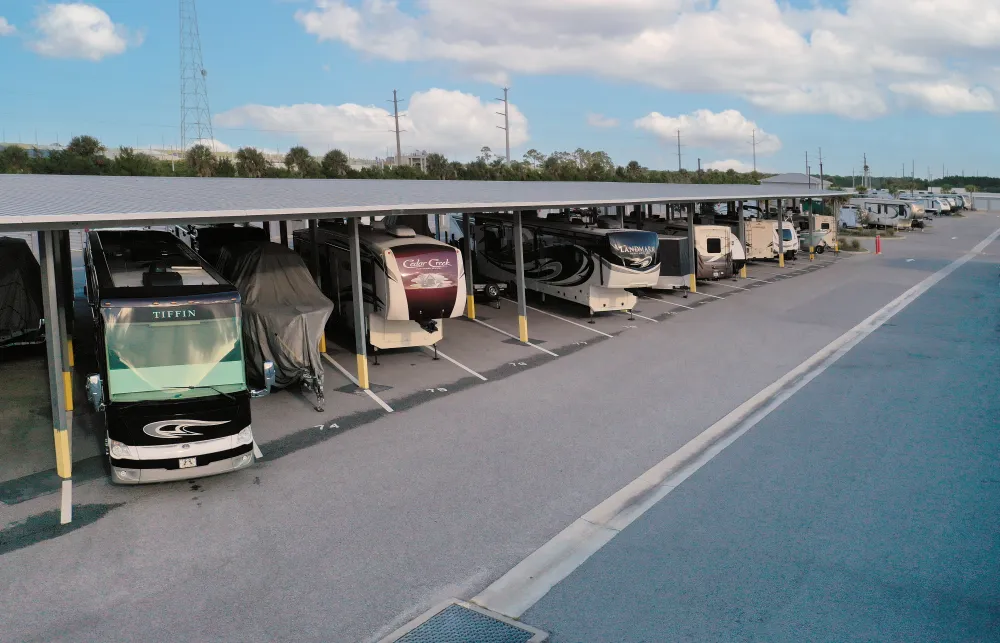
column 720, row 253
column 592, row 265
column 885, row 213
column 411, row 282
column 762, row 239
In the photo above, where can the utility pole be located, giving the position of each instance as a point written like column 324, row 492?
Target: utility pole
column 809, row 178
column 395, row 115
column 506, row 120
column 821, row 181
column 679, row 168
column 753, row 139
column 913, row 176
column 196, row 117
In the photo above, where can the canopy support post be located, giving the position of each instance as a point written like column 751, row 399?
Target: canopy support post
column 470, row 287
column 693, row 250
column 522, row 304
column 60, row 382
column 358, row 301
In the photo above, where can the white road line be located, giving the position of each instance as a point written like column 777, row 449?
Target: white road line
column 503, row 332
column 523, row 586
column 345, row 373
column 568, row 321
column 664, row 301
column 456, row 363
column 66, row 504
column 763, row 281
column 717, row 283
column 635, row 314
column 698, row 292
column 256, row 451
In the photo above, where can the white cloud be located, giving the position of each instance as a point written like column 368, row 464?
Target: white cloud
column 599, row 120
column 823, row 59
column 79, row 30
column 726, row 131
column 6, row 28
column 729, row 164
column 438, row 120
column 946, row 98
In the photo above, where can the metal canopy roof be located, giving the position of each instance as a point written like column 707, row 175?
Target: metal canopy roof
column 48, row 202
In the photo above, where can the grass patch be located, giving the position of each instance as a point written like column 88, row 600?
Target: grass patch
column 865, row 232
column 850, row 245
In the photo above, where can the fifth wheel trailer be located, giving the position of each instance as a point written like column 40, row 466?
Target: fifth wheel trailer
column 411, row 282
column 592, row 265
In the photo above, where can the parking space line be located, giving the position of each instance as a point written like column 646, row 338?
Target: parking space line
column 345, row 373
column 698, row 292
column 518, row 339
column 635, row 314
column 568, row 321
column 664, row 301
column 455, row 362
column 763, row 281
column 728, row 286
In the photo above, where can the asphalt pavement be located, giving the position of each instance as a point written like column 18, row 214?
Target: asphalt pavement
column 866, row 508
column 357, row 530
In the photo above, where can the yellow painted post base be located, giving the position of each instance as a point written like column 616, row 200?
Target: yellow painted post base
column 322, row 343
column 363, row 371
column 69, row 353
column 522, row 326
column 743, row 272
column 812, row 253
column 693, row 285
column 781, row 261
column 470, row 306
column 64, row 465
column 68, row 385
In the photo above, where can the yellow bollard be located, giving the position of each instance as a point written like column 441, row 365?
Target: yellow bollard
column 522, row 326
column 68, row 385
column 70, row 358
column 64, row 466
column 322, row 343
column 470, row 306
column 363, row 371
column 781, row 261
column 812, row 253
column 743, row 272
column 693, row 286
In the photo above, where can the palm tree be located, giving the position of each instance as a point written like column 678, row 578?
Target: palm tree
column 251, row 162
column 298, row 161
column 201, row 160
column 336, row 165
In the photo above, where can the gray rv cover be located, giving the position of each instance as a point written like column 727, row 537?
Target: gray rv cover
column 284, row 312
column 20, row 290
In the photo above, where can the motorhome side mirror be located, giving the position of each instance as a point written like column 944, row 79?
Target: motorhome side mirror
column 268, row 381
column 95, row 392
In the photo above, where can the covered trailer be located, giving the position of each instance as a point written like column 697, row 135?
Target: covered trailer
column 21, row 312
column 284, row 312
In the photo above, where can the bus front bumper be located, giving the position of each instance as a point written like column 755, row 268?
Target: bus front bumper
column 150, row 471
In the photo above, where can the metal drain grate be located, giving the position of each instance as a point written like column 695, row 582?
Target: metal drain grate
column 461, row 622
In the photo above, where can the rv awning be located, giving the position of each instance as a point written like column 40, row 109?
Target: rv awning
column 47, row 202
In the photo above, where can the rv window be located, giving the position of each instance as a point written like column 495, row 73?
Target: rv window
column 824, row 226
column 714, row 245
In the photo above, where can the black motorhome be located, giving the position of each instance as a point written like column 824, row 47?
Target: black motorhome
column 168, row 340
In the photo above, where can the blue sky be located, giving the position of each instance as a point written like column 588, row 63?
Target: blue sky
column 804, row 75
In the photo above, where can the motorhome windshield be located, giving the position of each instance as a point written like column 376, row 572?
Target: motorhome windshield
column 635, row 249
column 786, row 234
column 158, row 353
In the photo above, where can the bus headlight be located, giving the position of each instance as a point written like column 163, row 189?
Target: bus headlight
column 119, row 450
column 244, row 437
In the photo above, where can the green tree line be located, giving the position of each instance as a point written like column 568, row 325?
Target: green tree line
column 87, row 155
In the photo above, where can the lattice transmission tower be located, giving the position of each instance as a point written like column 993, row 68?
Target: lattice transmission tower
column 196, row 117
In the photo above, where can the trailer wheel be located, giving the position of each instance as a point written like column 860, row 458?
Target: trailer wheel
column 492, row 291
column 820, row 249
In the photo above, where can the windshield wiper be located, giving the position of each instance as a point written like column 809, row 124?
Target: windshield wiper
column 217, row 390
